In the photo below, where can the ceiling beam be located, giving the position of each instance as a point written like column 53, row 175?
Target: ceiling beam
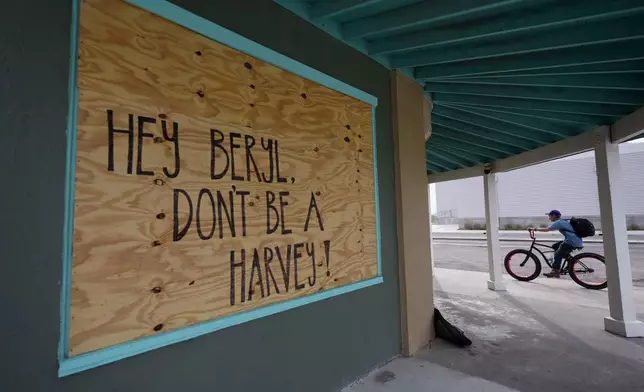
column 302, row 9
column 440, row 165
column 553, row 128
column 426, row 13
column 513, row 132
column 621, row 51
column 613, row 81
column 590, row 109
column 331, row 8
column 438, row 140
column 580, row 121
column 570, row 146
column 465, row 125
column 627, row 68
column 563, row 94
column 471, row 158
column 454, row 132
column 628, row 127
column 433, row 168
column 446, row 156
column 535, row 19
column 459, row 174
column 578, row 35
column 438, row 158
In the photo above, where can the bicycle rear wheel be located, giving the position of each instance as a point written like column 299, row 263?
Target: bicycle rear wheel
column 522, row 265
column 589, row 270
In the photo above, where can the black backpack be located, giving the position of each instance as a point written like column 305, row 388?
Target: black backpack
column 449, row 332
column 583, row 227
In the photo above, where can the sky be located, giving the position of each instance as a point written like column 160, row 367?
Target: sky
column 432, row 187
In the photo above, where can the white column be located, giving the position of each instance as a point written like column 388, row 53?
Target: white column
column 492, row 229
column 622, row 320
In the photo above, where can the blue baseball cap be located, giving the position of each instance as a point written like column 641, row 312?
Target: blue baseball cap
column 554, row 212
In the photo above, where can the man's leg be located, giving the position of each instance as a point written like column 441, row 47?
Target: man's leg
column 562, row 251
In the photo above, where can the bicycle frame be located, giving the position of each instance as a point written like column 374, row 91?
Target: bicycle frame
column 535, row 247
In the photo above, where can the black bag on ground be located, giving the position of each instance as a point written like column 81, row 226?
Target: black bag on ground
column 583, row 227
column 449, row 332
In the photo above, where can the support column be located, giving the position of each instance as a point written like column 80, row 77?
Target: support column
column 412, row 207
column 492, row 230
column 622, row 320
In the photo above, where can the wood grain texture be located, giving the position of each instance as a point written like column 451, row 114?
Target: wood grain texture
column 130, row 278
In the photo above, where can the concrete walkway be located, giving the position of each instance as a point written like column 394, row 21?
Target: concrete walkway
column 546, row 335
column 419, row 375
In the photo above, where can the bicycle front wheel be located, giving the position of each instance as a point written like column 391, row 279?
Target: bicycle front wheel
column 589, row 270
column 522, row 265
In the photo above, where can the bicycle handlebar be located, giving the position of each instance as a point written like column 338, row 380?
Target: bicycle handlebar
column 531, row 231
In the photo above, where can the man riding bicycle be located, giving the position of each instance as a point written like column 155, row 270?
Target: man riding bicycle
column 562, row 248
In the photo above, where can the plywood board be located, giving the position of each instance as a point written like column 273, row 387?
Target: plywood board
column 207, row 182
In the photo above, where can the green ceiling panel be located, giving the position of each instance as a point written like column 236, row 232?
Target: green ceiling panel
column 472, row 151
column 542, row 130
column 595, row 54
column 530, row 136
column 578, row 121
column 621, row 97
column 573, row 36
column 591, row 81
column 472, row 158
column 505, row 76
column 535, row 19
column 587, row 108
column 454, row 130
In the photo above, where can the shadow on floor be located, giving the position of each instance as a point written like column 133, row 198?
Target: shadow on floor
column 537, row 346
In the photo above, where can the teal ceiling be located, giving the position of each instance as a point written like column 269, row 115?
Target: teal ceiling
column 505, row 76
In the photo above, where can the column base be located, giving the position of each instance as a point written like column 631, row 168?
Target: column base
column 627, row 329
column 496, row 286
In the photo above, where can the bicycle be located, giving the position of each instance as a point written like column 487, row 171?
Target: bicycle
column 579, row 266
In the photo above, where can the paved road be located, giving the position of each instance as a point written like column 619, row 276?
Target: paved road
column 472, row 255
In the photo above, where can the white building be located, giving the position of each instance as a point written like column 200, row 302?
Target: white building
column 525, row 195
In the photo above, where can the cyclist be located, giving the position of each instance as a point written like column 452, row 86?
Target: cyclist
column 562, row 248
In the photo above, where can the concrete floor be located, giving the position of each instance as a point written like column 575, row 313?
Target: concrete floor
column 417, row 374
column 546, row 335
column 472, row 255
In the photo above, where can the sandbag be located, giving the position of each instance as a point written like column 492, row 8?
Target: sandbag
column 449, row 332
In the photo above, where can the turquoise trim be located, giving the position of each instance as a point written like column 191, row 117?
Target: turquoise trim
column 71, row 365
column 125, row 350
column 70, row 174
column 376, row 190
column 217, row 33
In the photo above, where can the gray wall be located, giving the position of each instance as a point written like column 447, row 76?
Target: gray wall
column 319, row 347
column 568, row 184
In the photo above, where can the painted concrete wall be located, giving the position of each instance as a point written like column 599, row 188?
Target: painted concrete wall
column 319, row 347
column 568, row 184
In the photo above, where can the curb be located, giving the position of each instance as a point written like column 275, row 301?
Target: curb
column 471, row 238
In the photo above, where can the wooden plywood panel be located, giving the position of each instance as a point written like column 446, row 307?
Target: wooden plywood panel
column 207, row 183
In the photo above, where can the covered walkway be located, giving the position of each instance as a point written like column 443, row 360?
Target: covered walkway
column 511, row 83
column 345, row 108
column 527, row 339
